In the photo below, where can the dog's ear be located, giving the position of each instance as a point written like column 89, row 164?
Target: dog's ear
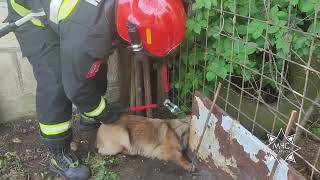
column 181, row 129
column 187, row 119
column 185, row 138
column 176, row 123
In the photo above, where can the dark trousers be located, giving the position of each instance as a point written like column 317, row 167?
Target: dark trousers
column 60, row 62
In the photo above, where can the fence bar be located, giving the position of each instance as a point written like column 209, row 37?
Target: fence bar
column 315, row 163
column 292, row 118
column 266, row 72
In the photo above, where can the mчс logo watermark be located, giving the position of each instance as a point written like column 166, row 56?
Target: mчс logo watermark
column 284, row 147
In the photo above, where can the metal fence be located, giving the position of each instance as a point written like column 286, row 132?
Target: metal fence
column 266, row 54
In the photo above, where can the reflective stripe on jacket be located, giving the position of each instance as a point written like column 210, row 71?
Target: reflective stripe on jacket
column 22, row 11
column 61, row 9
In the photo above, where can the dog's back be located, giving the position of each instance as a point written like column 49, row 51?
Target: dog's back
column 137, row 135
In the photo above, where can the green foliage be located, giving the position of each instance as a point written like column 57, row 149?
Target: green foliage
column 316, row 131
column 100, row 166
column 315, row 127
column 5, row 160
column 226, row 44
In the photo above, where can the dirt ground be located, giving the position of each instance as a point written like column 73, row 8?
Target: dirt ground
column 26, row 158
column 309, row 150
column 22, row 156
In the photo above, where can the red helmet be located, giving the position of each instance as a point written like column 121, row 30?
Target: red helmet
column 160, row 23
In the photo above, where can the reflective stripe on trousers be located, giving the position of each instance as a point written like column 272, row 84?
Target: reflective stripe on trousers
column 55, row 129
column 97, row 111
column 22, row 11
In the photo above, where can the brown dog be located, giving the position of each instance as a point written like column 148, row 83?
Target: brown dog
column 153, row 138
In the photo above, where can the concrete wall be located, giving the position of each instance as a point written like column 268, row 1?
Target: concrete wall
column 17, row 83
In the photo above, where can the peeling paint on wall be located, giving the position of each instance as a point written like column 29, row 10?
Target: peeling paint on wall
column 230, row 149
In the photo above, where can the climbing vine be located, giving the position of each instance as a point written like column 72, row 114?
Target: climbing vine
column 233, row 37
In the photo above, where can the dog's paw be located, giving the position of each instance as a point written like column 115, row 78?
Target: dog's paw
column 74, row 146
column 191, row 168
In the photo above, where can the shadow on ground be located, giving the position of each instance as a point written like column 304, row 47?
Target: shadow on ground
column 22, row 156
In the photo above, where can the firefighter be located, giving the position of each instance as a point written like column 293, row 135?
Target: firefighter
column 66, row 49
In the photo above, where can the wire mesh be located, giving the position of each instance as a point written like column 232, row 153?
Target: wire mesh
column 267, row 56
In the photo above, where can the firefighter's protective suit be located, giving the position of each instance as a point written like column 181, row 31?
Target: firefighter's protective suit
column 62, row 48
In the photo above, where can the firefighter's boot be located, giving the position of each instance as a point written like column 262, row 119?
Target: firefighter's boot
column 63, row 161
column 88, row 132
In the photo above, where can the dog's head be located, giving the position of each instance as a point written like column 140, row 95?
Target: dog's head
column 181, row 128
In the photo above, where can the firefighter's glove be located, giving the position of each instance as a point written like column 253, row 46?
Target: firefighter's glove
column 111, row 113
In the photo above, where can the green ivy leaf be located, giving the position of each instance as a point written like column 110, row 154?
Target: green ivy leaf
column 273, row 29
column 257, row 33
column 251, row 47
column 177, row 85
column 198, row 4
column 222, row 72
column 281, row 55
column 227, row 44
column 214, row 31
column 298, row 42
column 260, row 41
column 281, row 23
column 311, row 28
column 253, row 26
column 228, row 56
column 273, row 13
column 214, row 2
column 293, row 2
column 241, row 48
column 316, row 131
column 197, row 28
column 282, row 15
column 217, row 68
column 194, row 26
column 256, row 29
column 307, row 5
column 282, row 45
column 207, row 4
column 210, row 76
column 238, row 46
column 244, row 10
column 230, row 5
column 274, row 10
column 228, row 25
column 231, row 52
column 242, row 29
column 281, row 3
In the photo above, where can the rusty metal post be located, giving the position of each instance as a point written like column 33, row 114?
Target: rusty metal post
column 125, row 75
column 138, row 85
column 207, row 121
column 147, row 85
column 293, row 117
column 132, row 85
